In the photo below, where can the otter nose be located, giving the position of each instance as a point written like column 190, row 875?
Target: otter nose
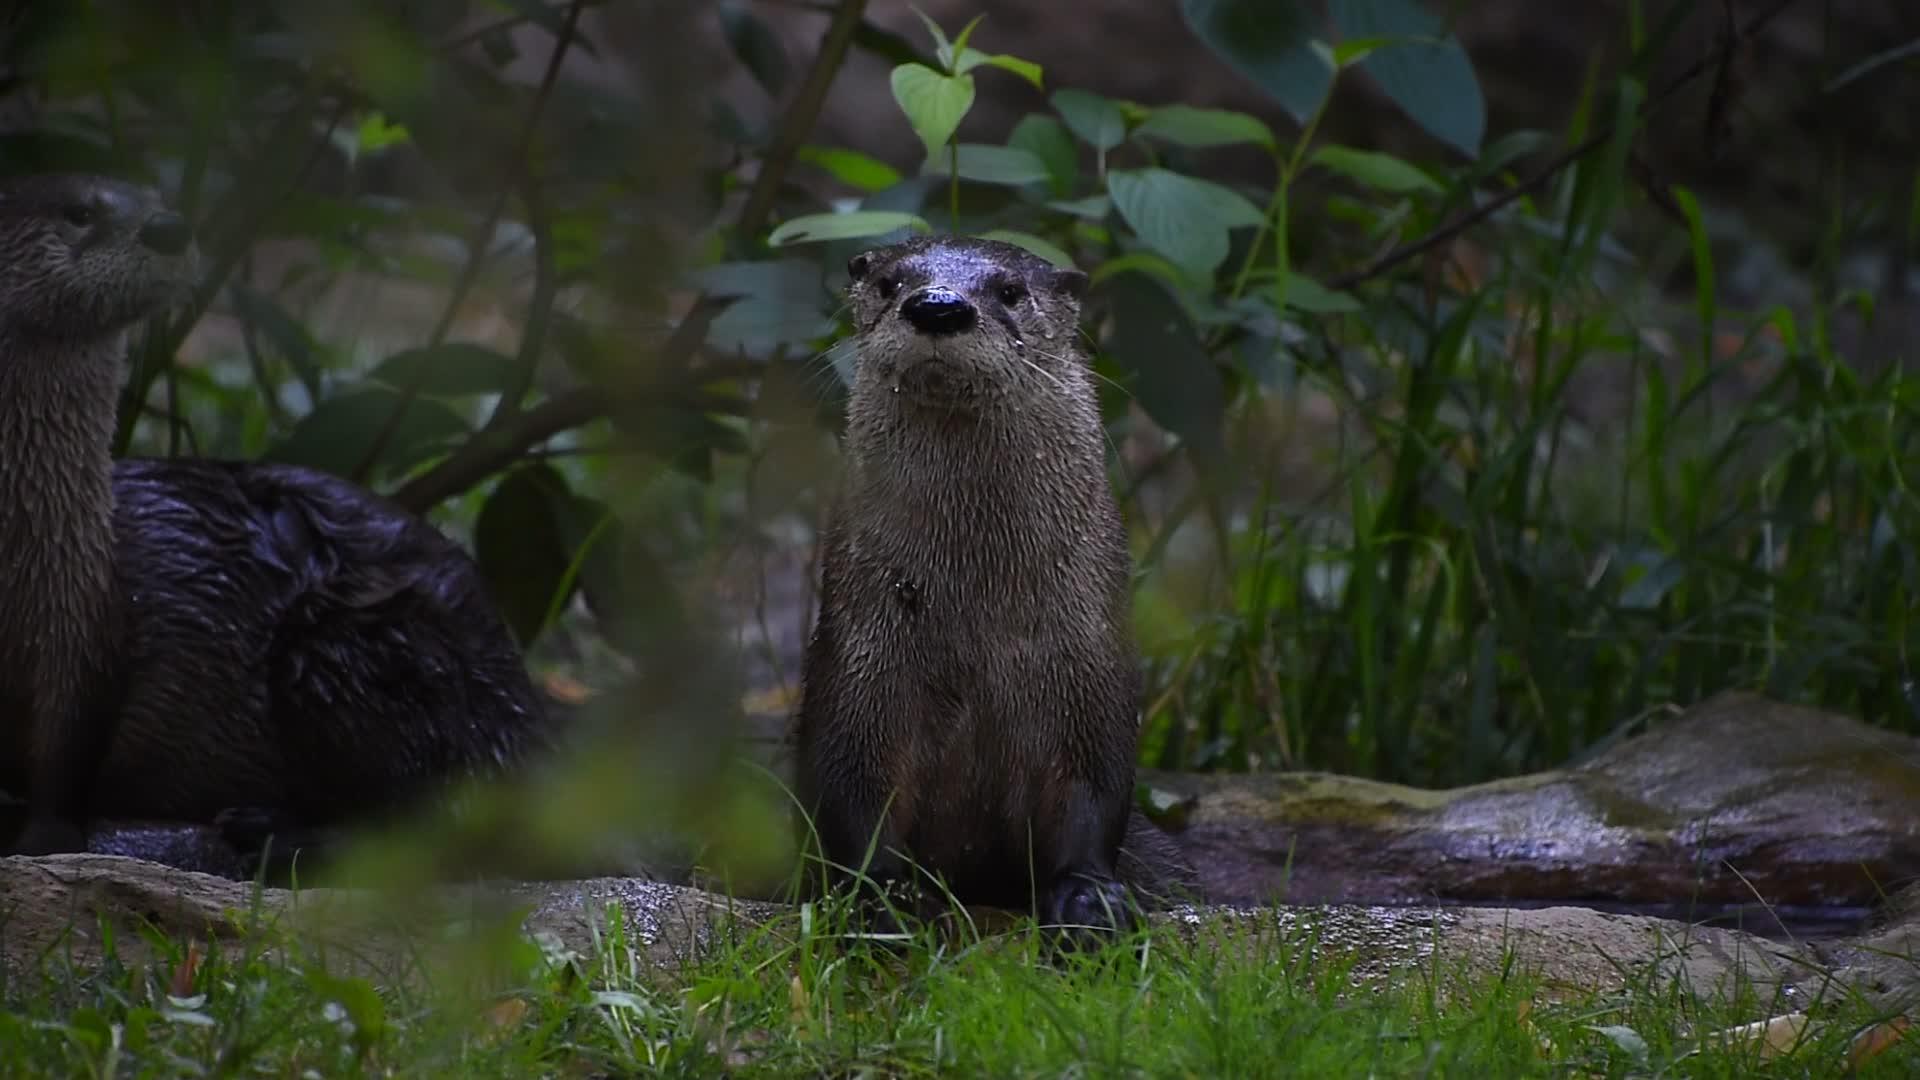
column 938, row 310
column 167, row 233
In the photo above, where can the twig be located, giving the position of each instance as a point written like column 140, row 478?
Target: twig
column 801, row 115
column 487, row 452
column 1462, row 222
column 480, row 242
column 163, row 340
column 533, row 337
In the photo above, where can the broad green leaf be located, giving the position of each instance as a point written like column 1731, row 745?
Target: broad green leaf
column 1093, row 207
column 454, row 370
column 851, row 167
column 1382, row 172
column 851, row 225
column 1353, row 50
column 1424, row 71
column 1035, row 244
column 1090, row 116
column 1269, row 43
column 1048, row 139
column 973, row 58
column 990, row 164
column 1182, row 218
column 1173, row 377
column 1188, row 126
column 522, row 548
column 934, row 103
column 782, row 302
column 338, row 434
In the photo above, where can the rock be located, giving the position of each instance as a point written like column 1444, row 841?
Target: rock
column 1738, row 801
column 1776, row 819
column 59, row 903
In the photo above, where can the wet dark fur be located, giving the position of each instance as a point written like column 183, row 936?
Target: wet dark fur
column 973, row 660
column 182, row 638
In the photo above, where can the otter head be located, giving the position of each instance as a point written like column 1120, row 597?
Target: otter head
column 961, row 323
column 83, row 257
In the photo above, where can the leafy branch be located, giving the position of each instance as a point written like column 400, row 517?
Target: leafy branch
column 506, row 439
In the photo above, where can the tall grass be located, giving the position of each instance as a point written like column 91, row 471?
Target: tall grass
column 1503, row 571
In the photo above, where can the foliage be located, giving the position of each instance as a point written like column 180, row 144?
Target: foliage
column 793, row 1001
column 1484, row 575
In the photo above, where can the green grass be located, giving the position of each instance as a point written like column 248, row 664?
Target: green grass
column 782, row 1003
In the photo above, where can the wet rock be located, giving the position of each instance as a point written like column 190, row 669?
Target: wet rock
column 59, row 905
column 1739, row 801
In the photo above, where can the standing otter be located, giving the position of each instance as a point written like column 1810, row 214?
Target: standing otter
column 183, row 638
column 970, row 695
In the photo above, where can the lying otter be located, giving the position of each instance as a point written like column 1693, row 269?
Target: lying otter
column 184, row 638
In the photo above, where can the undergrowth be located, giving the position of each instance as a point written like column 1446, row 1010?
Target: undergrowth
column 792, row 998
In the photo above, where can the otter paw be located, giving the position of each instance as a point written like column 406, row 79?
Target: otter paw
column 49, row 836
column 1082, row 904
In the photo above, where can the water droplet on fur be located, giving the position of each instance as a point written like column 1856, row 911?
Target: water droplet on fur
column 896, row 388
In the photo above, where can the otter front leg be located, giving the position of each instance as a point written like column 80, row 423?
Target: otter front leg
column 1084, row 890
column 72, row 733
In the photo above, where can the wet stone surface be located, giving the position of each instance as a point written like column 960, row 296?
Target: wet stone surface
column 58, row 904
column 1740, row 807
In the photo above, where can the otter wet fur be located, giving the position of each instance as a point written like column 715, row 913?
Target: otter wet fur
column 181, row 639
column 969, row 697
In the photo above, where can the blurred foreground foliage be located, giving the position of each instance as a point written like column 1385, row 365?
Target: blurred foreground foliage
column 1412, row 500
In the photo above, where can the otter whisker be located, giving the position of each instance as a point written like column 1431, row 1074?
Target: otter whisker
column 1043, row 372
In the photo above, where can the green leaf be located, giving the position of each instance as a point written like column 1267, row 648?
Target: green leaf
column 949, row 51
column 1383, row 172
column 851, row 167
column 783, row 302
column 1425, row 71
column 973, row 58
column 941, row 45
column 934, row 103
column 1182, row 218
column 757, row 47
column 1306, row 294
column 1269, row 43
column 1185, row 125
column 1048, row 139
column 1092, row 117
column 1035, row 244
column 454, row 370
column 1174, row 379
column 359, row 1000
column 851, row 225
column 376, row 133
column 990, row 164
column 521, row 545
column 1093, row 207
column 340, row 431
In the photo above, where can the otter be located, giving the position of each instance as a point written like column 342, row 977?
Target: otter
column 969, row 698
column 198, row 639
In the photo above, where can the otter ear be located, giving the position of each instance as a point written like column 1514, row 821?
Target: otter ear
column 858, row 265
column 1071, row 283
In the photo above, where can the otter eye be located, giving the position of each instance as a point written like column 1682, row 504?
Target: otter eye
column 888, row 286
column 1012, row 293
column 857, row 266
column 78, row 213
